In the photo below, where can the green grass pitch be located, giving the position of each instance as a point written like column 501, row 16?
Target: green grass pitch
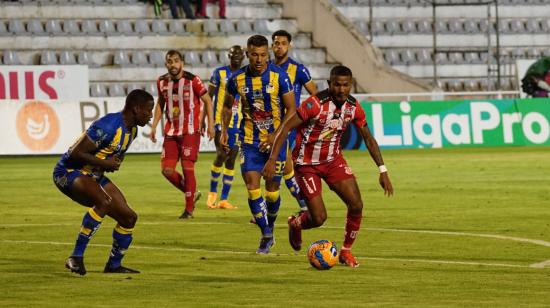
column 466, row 227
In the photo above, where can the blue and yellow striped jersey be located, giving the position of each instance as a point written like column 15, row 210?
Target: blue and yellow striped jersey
column 219, row 81
column 261, row 100
column 110, row 136
column 299, row 75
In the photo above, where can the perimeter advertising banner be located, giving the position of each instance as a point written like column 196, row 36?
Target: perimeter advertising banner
column 464, row 123
column 51, row 127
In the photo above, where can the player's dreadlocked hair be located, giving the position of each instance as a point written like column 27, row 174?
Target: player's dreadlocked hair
column 257, row 41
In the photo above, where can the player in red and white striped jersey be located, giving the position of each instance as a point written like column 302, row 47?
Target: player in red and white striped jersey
column 321, row 120
column 180, row 96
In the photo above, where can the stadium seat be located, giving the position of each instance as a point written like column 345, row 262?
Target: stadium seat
column 362, row 26
column 48, row 57
column 455, row 85
column 503, row 26
column 392, row 56
column 159, row 27
column 532, row 26
column 261, row 27
column 124, row 27
column 456, row 57
column 107, row 27
column 441, row 26
column 176, row 27
column 209, row 58
column 210, row 26
column 89, row 27
column 408, row 26
column 3, row 29
column 85, row 58
column 393, row 27
column 518, row 53
column 142, row 27
column 11, row 57
column 67, row 58
column 424, row 26
column 243, row 26
column 192, row 58
column 408, row 57
column 472, row 58
column 471, row 85
column 120, row 57
column 53, row 27
column 223, row 56
column 441, row 58
column 456, row 26
column 227, row 26
column 35, row 27
column 116, row 90
column 156, row 58
column 16, row 27
column 533, row 53
column 70, row 27
column 424, row 57
column 133, row 86
column 517, row 26
column 139, row 58
column 545, row 25
column 152, row 89
column 471, row 26
column 98, row 90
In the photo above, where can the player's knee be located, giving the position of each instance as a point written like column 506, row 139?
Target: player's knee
column 129, row 220
column 318, row 219
column 356, row 207
column 167, row 172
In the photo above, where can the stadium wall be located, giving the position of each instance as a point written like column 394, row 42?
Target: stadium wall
column 348, row 46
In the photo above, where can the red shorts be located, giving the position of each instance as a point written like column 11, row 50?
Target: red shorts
column 185, row 147
column 309, row 176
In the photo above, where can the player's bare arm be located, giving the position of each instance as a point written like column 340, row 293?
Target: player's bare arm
column 374, row 151
column 157, row 114
column 208, row 107
column 280, row 137
column 311, row 87
column 290, row 110
column 83, row 151
column 226, row 119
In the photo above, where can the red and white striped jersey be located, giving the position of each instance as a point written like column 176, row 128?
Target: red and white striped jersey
column 318, row 138
column 182, row 103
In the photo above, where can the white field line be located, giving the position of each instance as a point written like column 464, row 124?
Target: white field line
column 452, row 233
column 275, row 254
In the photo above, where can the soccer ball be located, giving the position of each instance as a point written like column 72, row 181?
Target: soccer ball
column 322, row 254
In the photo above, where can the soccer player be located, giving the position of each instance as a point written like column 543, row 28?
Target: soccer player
column 216, row 89
column 180, row 95
column 267, row 99
column 299, row 77
column 321, row 120
column 80, row 174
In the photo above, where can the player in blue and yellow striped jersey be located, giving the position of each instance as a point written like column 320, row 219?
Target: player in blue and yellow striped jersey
column 80, row 174
column 267, row 99
column 299, row 77
column 216, row 89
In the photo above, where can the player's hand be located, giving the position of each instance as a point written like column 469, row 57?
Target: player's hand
column 211, row 133
column 265, row 146
column 224, row 141
column 111, row 164
column 385, row 182
column 269, row 169
column 153, row 135
column 202, row 128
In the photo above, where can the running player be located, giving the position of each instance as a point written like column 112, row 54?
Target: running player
column 216, row 89
column 80, row 174
column 267, row 99
column 299, row 77
column 321, row 121
column 180, row 95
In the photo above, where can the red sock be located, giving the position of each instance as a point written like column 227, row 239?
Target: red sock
column 176, row 179
column 304, row 220
column 353, row 223
column 190, row 185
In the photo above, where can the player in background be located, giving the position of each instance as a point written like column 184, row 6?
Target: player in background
column 299, row 77
column 321, row 121
column 267, row 99
column 216, row 89
column 80, row 174
column 180, row 96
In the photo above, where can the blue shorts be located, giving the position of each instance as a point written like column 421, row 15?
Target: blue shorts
column 254, row 160
column 233, row 140
column 292, row 139
column 64, row 178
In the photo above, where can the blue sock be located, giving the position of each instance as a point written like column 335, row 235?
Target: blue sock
column 258, row 208
column 294, row 189
column 227, row 181
column 90, row 224
column 215, row 173
column 122, row 237
column 273, row 201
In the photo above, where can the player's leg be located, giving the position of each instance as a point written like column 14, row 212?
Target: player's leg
column 189, row 153
column 311, row 190
column 272, row 195
column 122, row 233
column 229, row 170
column 222, row 9
column 343, row 183
column 289, row 177
column 169, row 160
column 216, row 171
column 86, row 191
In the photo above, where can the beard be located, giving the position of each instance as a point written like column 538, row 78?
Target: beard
column 176, row 74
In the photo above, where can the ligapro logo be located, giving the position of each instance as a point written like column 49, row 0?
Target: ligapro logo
column 37, row 126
